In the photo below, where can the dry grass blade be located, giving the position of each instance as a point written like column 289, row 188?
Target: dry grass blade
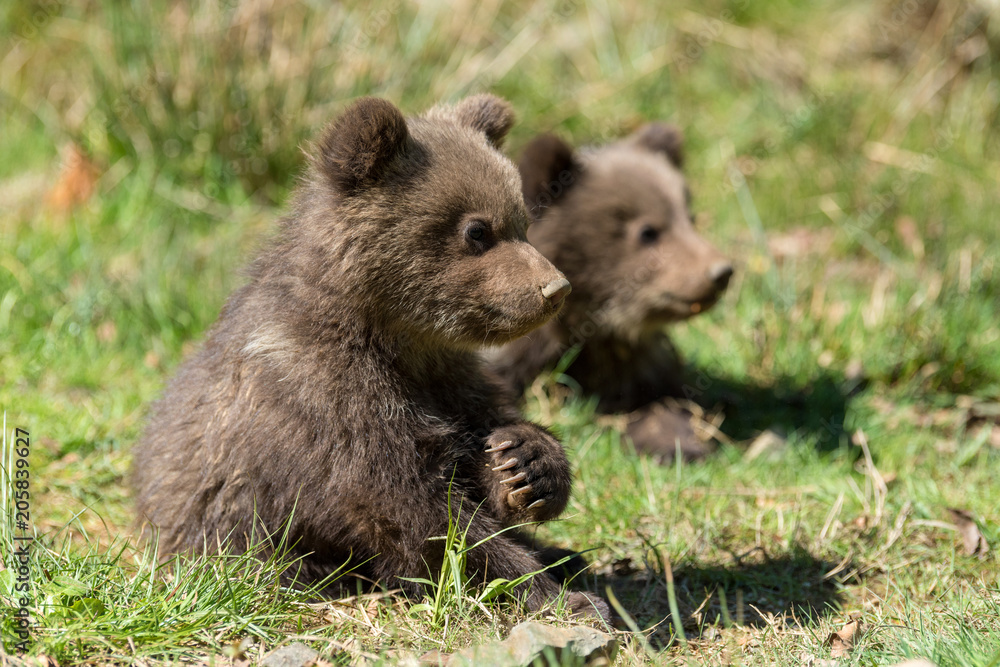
column 874, row 478
column 675, row 614
column 768, row 442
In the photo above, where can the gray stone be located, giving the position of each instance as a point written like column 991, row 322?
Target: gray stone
column 529, row 641
column 292, row 655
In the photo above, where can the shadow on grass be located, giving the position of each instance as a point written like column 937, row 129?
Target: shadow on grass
column 813, row 409
column 758, row 590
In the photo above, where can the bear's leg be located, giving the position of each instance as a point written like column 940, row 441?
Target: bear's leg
column 506, row 556
column 563, row 564
column 491, row 554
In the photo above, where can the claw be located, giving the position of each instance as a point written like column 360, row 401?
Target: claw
column 526, row 487
column 519, row 477
column 510, row 463
column 507, row 444
column 537, row 503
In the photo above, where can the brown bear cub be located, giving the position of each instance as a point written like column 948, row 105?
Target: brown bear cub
column 340, row 396
column 616, row 221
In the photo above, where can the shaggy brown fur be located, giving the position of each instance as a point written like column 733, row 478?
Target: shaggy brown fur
column 616, row 221
column 343, row 381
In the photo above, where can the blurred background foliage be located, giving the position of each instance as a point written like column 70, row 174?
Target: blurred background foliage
column 147, row 144
column 846, row 155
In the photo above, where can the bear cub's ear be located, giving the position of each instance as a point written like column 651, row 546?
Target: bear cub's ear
column 487, row 114
column 356, row 149
column 664, row 138
column 548, row 168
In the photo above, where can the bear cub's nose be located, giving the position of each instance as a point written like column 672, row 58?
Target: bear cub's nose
column 720, row 273
column 556, row 291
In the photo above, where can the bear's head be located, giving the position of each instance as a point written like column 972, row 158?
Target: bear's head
column 616, row 221
column 420, row 223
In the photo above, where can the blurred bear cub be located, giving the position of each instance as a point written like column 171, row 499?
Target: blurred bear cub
column 340, row 396
column 616, row 221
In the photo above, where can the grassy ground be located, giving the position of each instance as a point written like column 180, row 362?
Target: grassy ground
column 846, row 155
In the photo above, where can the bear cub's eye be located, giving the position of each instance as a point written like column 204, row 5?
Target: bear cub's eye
column 477, row 234
column 648, row 234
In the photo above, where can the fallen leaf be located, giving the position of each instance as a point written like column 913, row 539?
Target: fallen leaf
column 972, row 540
column 236, row 650
column 76, row 181
column 842, row 641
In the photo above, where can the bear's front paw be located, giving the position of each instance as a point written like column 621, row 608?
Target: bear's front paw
column 533, row 479
column 661, row 431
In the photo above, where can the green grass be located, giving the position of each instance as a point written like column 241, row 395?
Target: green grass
column 863, row 228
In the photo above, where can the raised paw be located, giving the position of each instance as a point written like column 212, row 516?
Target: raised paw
column 532, row 479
